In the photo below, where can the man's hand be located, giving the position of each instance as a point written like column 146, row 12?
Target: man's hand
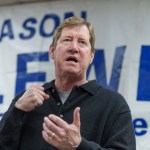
column 60, row 134
column 32, row 98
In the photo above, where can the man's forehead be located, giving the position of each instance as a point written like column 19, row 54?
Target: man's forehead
column 72, row 29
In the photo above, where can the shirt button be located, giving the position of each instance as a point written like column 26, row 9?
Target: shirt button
column 75, row 89
column 58, row 104
column 61, row 116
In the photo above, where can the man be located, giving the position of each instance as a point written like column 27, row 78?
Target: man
column 69, row 112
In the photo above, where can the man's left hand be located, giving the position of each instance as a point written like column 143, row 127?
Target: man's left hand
column 60, row 134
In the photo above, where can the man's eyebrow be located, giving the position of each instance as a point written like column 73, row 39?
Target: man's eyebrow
column 67, row 36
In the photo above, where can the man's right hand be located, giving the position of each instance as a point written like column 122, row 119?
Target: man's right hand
column 32, row 98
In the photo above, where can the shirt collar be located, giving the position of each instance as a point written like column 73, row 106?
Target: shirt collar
column 49, row 85
column 90, row 86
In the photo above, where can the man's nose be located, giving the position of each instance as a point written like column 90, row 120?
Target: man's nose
column 73, row 46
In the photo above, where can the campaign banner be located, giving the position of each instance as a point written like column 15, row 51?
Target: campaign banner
column 122, row 56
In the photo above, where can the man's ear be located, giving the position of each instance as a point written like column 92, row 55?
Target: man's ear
column 51, row 51
column 92, row 56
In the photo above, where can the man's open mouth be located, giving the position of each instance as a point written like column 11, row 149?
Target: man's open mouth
column 72, row 59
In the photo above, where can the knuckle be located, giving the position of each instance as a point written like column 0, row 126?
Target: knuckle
column 49, row 126
column 40, row 102
column 31, row 88
column 34, row 96
column 63, row 135
column 67, row 128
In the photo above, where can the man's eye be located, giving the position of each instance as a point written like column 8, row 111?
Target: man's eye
column 66, row 41
column 82, row 42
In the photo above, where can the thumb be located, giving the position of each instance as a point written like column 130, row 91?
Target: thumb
column 46, row 96
column 76, row 117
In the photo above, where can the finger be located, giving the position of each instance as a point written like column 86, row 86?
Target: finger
column 40, row 100
column 51, row 140
column 58, row 121
column 49, row 132
column 46, row 96
column 45, row 136
column 37, row 87
column 58, row 126
column 51, row 125
column 50, row 136
column 39, row 94
column 76, row 117
column 40, row 90
column 37, row 99
column 43, row 94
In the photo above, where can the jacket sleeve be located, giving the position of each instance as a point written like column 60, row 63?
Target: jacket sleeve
column 117, row 135
column 10, row 127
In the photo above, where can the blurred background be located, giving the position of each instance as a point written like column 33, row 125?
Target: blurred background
column 122, row 57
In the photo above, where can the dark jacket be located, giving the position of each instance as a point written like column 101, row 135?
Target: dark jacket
column 106, row 121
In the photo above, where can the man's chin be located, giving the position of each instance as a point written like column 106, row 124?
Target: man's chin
column 70, row 72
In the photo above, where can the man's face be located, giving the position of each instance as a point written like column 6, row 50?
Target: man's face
column 73, row 53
